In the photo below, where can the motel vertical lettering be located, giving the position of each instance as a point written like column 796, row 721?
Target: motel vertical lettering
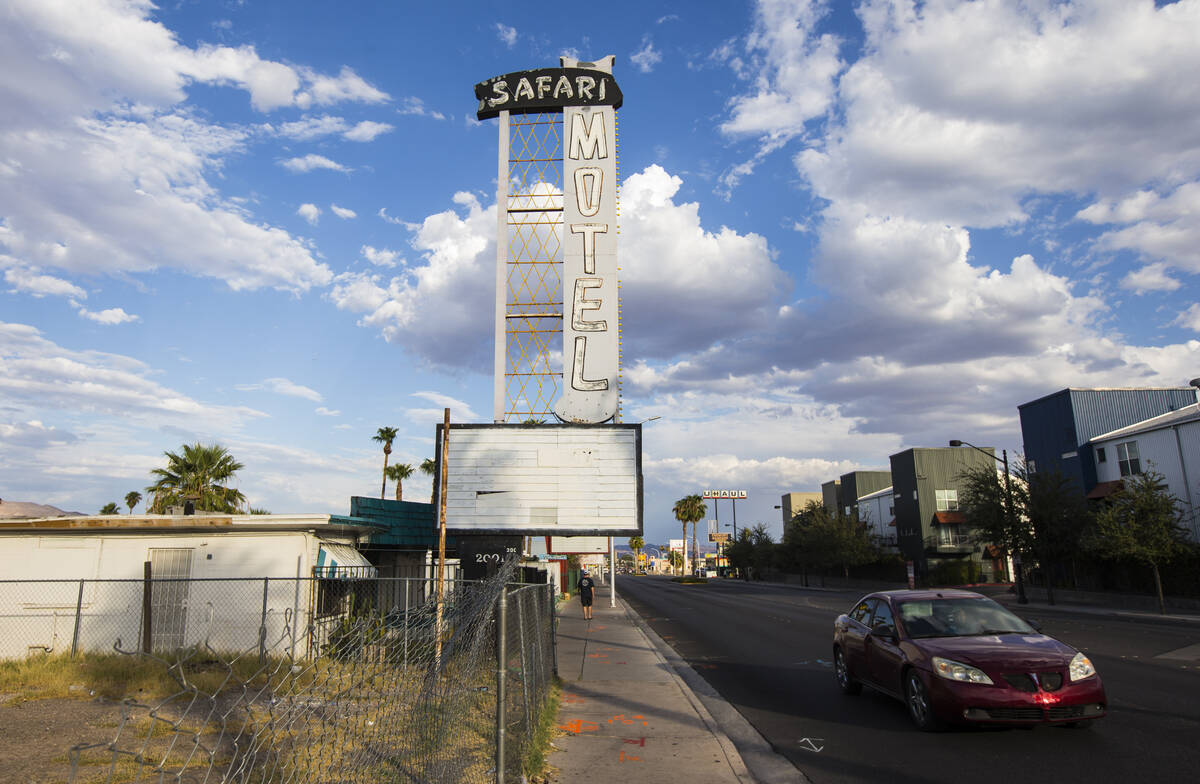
column 590, row 325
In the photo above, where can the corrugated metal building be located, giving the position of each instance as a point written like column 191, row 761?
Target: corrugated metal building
column 831, row 496
column 1056, row 428
column 926, row 483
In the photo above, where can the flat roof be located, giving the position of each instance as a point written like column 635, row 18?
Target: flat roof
column 154, row 523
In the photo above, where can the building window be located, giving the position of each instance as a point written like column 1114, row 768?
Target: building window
column 1100, row 456
column 947, row 500
column 1128, row 459
column 949, row 536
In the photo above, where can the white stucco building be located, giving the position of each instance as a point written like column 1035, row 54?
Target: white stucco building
column 78, row 582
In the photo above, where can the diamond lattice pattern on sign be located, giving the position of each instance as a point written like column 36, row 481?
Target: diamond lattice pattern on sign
column 534, row 266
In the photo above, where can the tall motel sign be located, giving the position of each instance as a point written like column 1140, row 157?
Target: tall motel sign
column 556, row 461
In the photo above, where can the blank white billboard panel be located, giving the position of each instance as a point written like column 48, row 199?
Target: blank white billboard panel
column 566, row 480
column 578, row 544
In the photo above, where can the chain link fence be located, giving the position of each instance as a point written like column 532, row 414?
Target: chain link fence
column 343, row 678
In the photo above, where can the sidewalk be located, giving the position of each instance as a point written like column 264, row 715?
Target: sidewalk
column 627, row 716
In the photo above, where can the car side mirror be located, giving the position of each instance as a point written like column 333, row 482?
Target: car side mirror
column 884, row 630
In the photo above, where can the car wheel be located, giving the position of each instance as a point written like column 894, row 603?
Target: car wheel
column 847, row 684
column 916, row 698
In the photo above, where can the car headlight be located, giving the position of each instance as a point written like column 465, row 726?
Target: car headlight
column 957, row 671
column 1081, row 667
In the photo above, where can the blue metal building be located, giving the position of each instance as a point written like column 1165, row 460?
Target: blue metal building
column 1056, row 427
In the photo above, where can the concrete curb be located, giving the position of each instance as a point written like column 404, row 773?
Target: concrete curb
column 751, row 757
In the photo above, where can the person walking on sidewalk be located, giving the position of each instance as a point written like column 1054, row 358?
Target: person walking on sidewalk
column 586, row 588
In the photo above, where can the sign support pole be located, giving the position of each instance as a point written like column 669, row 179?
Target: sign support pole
column 441, row 581
column 612, row 572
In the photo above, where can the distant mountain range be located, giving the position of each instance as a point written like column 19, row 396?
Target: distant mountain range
column 27, row 509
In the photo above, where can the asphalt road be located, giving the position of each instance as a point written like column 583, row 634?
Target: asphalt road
column 766, row 649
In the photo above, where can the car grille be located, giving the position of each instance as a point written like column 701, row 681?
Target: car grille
column 1022, row 682
column 1014, row 714
column 1051, row 681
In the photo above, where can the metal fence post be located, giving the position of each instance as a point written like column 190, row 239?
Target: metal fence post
column 78, row 609
column 553, row 625
column 501, row 677
column 520, row 595
column 262, row 625
column 406, row 584
column 147, row 614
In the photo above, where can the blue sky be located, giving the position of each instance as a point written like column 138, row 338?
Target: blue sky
column 847, row 230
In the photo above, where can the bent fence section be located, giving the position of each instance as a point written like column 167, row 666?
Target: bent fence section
column 309, row 680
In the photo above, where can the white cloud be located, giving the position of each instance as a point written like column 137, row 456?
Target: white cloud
column 417, row 107
column 126, row 195
column 1162, row 230
column 430, row 418
column 109, row 316
column 380, row 257
column 647, row 57
column 112, row 176
column 311, row 128
column 797, row 68
column 1190, row 318
column 346, row 86
column 958, row 112
column 310, row 162
column 322, row 411
column 439, row 310
column 282, row 386
column 28, row 281
column 310, row 213
column 394, row 220
column 343, row 212
column 35, row 372
column 506, row 34
column 672, row 266
column 366, row 131
column 1152, row 277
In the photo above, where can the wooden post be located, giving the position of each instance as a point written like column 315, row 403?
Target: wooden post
column 441, row 581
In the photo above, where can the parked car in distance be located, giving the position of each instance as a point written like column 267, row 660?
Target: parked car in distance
column 958, row 657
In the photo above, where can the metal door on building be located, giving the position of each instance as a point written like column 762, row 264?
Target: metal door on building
column 171, row 569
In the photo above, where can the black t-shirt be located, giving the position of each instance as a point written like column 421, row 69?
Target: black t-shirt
column 585, row 587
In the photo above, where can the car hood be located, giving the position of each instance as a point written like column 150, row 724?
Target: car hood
column 1010, row 652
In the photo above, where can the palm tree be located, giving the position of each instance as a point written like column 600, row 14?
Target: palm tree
column 398, row 473
column 109, row 509
column 200, row 474
column 132, row 499
column 429, row 466
column 385, row 436
column 690, row 509
column 637, row 543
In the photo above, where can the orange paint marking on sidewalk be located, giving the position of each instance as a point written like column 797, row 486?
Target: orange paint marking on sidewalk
column 572, row 699
column 638, row 742
column 576, row 726
column 597, row 655
column 623, row 757
column 620, row 717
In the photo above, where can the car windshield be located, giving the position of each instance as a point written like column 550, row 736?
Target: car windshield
column 959, row 617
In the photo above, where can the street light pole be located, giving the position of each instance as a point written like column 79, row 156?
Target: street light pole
column 1008, row 514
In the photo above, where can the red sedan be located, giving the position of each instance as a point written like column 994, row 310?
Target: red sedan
column 956, row 656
